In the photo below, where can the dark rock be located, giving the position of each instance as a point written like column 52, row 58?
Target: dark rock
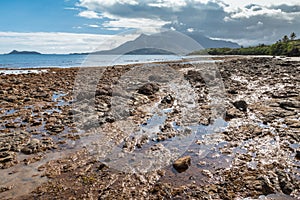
column 232, row 113
column 148, row 89
column 297, row 156
column 182, row 164
column 110, row 119
column 232, row 91
column 103, row 91
column 284, row 95
column 288, row 105
column 241, row 105
column 7, row 156
column 33, row 146
column 266, row 186
column 167, row 99
column 284, row 182
column 11, row 99
column 194, row 76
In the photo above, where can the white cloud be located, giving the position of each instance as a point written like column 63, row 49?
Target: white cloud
column 175, row 5
column 141, row 23
column 89, row 14
column 230, row 19
column 71, row 8
column 94, row 4
column 93, row 25
column 234, row 5
column 59, row 42
column 261, row 11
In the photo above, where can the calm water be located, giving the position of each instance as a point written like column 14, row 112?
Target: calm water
column 65, row 61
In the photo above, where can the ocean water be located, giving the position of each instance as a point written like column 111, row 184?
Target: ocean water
column 65, row 61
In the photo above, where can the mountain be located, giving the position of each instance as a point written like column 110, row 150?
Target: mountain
column 169, row 42
column 210, row 43
column 23, row 52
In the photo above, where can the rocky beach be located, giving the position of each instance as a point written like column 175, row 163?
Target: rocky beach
column 177, row 130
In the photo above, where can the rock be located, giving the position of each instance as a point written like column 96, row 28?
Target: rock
column 232, row 113
column 5, row 188
column 232, row 91
column 11, row 99
column 148, row 89
column 288, row 105
column 297, row 156
column 33, row 146
column 194, row 76
column 167, row 99
column 7, row 156
column 182, row 164
column 284, row 182
column 241, row 105
column 266, row 186
column 103, row 91
column 207, row 173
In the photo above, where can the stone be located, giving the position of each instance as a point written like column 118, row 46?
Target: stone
column 7, row 156
column 148, row 89
column 167, row 99
column 33, row 146
column 241, row 105
column 297, row 156
column 182, row 164
column 194, row 76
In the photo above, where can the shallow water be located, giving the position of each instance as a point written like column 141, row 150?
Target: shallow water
column 67, row 61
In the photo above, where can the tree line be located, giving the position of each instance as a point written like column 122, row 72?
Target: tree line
column 286, row 46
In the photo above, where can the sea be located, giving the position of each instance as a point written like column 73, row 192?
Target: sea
column 25, row 61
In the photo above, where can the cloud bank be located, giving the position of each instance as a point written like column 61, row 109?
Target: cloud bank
column 45, row 42
column 262, row 21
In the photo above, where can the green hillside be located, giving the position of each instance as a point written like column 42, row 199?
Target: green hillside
column 283, row 47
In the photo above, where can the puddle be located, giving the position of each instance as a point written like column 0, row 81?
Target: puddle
column 57, row 97
column 8, row 112
column 53, row 110
column 26, row 177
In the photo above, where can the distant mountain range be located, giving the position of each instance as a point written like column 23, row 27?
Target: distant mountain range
column 210, row 43
column 169, row 42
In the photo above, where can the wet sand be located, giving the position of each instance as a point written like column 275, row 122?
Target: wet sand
column 56, row 123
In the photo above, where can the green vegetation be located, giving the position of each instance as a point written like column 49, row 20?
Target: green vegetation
column 287, row 46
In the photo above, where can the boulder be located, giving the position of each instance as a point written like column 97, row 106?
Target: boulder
column 148, row 89
column 241, row 105
column 182, row 164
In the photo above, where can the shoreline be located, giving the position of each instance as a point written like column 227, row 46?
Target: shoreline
column 218, row 58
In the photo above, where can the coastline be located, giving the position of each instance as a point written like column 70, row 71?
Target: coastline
column 258, row 150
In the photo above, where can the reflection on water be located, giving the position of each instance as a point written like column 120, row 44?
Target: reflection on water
column 22, row 179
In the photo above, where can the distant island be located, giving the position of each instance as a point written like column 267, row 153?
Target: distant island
column 23, row 52
column 287, row 46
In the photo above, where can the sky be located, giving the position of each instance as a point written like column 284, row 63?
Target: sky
column 68, row 26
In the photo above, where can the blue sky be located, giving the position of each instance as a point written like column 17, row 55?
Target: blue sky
column 46, row 16
column 64, row 26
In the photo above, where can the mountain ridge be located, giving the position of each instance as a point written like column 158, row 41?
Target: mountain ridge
column 163, row 41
